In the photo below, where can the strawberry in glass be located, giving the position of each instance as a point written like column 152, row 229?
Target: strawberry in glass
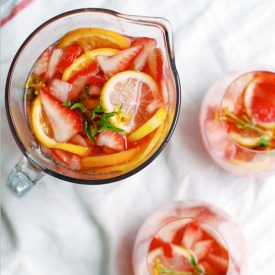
column 189, row 239
column 238, row 123
column 96, row 100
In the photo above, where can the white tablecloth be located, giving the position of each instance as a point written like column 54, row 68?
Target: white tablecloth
column 60, row 228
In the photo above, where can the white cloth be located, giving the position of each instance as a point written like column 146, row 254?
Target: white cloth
column 60, row 228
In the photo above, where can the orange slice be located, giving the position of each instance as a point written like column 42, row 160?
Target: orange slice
column 93, row 38
column 110, row 159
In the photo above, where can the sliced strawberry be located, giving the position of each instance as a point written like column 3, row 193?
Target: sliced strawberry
column 65, row 123
column 218, row 263
column 60, row 89
column 98, row 80
column 70, row 160
column 79, row 140
column 81, row 79
column 111, row 140
column 192, row 234
column 41, row 67
column 54, row 59
column 208, row 269
column 202, row 248
column 177, row 238
column 69, row 55
column 119, row 62
column 155, row 243
column 148, row 45
column 155, row 64
column 94, row 90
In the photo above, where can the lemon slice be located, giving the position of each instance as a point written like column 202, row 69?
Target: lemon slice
column 154, row 122
column 85, row 59
column 145, row 152
column 110, row 159
column 95, row 38
column 181, row 260
column 126, row 92
column 39, row 128
column 249, row 141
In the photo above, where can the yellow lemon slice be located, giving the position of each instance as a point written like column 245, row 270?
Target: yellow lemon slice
column 125, row 94
column 249, row 141
column 95, row 38
column 110, row 159
column 145, row 152
column 39, row 130
column 85, row 59
column 181, row 260
column 148, row 127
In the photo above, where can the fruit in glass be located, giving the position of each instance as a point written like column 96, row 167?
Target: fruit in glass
column 237, row 123
column 189, row 238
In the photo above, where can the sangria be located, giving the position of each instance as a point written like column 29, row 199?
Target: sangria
column 189, row 239
column 97, row 101
column 237, row 122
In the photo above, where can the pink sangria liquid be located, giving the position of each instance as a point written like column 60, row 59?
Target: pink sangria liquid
column 238, row 123
column 187, row 239
column 95, row 101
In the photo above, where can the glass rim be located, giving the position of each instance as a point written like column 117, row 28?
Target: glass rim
column 200, row 221
column 257, row 152
column 143, row 19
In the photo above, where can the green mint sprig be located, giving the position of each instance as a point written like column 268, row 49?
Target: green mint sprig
column 98, row 119
column 247, row 124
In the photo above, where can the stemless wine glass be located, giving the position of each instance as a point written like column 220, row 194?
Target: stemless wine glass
column 189, row 238
column 232, row 152
column 30, row 169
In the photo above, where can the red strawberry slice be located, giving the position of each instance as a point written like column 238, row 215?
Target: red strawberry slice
column 202, row 248
column 148, row 45
column 119, row 62
column 79, row 140
column 60, row 89
column 111, row 140
column 41, row 67
column 208, row 269
column 54, row 59
column 218, row 263
column 94, row 90
column 65, row 123
column 98, row 80
column 192, row 234
column 70, row 160
column 81, row 79
column 69, row 55
column 155, row 64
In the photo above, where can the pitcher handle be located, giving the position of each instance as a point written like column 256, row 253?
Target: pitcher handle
column 23, row 177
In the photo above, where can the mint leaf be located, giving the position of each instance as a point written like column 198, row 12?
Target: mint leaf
column 264, row 142
column 193, row 260
column 67, row 104
column 87, row 128
column 79, row 106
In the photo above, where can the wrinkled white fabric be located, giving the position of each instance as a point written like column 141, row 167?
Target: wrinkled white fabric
column 60, row 228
